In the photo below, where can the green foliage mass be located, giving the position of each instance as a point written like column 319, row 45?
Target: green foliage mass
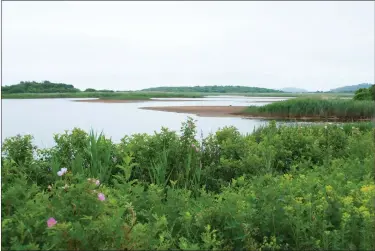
column 35, row 87
column 214, row 89
column 342, row 109
column 365, row 93
column 280, row 188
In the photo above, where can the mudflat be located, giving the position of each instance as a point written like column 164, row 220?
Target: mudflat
column 204, row 111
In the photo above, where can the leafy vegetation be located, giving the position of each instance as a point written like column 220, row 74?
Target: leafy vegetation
column 93, row 90
column 280, row 188
column 351, row 88
column 365, row 93
column 213, row 89
column 35, row 87
column 339, row 109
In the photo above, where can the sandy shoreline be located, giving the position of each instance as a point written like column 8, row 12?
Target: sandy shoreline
column 237, row 111
column 203, row 111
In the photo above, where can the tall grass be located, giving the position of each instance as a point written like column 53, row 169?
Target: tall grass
column 339, row 109
column 99, row 150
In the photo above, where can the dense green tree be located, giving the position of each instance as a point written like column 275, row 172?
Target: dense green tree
column 365, row 94
column 36, row 87
column 90, row 90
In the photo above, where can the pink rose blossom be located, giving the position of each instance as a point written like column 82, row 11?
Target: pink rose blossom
column 51, row 222
column 101, row 197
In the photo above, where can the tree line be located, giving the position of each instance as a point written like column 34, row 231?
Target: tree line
column 44, row 87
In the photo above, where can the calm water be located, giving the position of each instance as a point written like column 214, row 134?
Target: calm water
column 44, row 117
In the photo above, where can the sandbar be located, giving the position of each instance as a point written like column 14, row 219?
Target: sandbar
column 238, row 111
column 203, row 111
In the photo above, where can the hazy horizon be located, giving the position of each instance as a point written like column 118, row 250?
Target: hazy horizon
column 137, row 45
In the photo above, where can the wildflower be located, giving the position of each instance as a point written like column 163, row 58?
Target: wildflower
column 101, row 197
column 97, row 182
column 51, row 222
column 348, row 200
column 65, row 187
column 364, row 212
column 62, row 171
column 368, row 188
column 49, row 187
column 329, row 188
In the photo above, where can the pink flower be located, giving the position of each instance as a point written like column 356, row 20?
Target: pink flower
column 101, row 197
column 51, row 222
column 97, row 182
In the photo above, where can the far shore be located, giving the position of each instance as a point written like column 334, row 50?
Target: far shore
column 128, row 100
column 238, row 111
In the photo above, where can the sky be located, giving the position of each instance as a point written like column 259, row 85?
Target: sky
column 135, row 45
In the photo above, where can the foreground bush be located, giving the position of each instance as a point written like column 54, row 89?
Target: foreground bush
column 287, row 187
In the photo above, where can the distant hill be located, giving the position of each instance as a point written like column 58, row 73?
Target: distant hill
column 35, row 87
column 214, row 89
column 293, row 90
column 351, row 88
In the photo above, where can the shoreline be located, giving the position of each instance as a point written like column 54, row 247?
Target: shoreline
column 127, row 100
column 202, row 111
column 238, row 111
column 151, row 100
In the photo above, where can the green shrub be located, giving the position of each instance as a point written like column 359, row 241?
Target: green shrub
column 280, row 188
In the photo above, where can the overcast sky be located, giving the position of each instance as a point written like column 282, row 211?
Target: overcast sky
column 135, row 45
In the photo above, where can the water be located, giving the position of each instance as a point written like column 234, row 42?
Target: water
column 44, row 117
